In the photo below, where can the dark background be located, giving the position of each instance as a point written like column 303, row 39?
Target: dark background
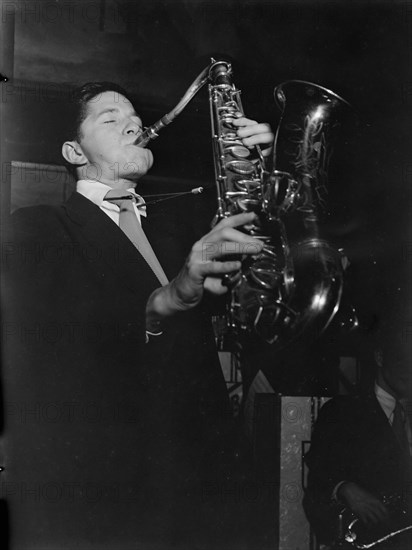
column 155, row 49
column 361, row 50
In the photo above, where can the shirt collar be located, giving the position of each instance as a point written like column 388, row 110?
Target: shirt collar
column 95, row 191
column 386, row 400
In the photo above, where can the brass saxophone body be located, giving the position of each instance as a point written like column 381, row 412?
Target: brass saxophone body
column 240, row 179
column 295, row 194
column 295, row 283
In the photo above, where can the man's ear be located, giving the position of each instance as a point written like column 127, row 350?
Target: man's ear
column 73, row 153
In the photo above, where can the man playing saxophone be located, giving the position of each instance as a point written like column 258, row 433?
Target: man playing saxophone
column 131, row 343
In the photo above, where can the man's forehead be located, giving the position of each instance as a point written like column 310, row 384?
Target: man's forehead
column 109, row 100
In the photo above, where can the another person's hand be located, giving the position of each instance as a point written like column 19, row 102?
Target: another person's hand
column 209, row 260
column 362, row 503
column 254, row 133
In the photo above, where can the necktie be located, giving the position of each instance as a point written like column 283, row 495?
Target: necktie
column 399, row 426
column 130, row 225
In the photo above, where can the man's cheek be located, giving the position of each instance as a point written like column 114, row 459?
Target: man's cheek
column 150, row 158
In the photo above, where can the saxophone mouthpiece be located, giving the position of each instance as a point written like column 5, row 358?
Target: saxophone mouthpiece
column 143, row 139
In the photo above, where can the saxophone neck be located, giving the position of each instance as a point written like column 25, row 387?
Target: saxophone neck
column 217, row 71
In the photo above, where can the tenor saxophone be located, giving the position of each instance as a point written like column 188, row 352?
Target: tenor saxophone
column 295, row 283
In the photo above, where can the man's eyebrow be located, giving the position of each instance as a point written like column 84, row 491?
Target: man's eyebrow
column 115, row 110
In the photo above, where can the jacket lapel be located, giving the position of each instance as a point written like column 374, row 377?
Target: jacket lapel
column 169, row 236
column 383, row 423
column 106, row 241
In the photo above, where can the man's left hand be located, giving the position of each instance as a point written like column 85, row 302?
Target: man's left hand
column 253, row 133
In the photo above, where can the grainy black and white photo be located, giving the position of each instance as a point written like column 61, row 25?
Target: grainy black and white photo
column 206, row 265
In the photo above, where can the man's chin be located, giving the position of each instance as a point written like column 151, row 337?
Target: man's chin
column 144, row 164
column 136, row 171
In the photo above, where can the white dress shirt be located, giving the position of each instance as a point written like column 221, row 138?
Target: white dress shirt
column 386, row 401
column 95, row 191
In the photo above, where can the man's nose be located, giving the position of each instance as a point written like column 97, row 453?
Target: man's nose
column 133, row 127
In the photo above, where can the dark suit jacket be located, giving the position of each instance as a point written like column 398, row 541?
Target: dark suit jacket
column 352, row 441
column 105, row 435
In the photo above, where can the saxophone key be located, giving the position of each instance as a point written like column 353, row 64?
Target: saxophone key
column 243, row 167
column 232, row 136
column 265, row 278
column 248, row 205
column 248, row 185
column 235, row 194
column 230, row 142
column 239, row 151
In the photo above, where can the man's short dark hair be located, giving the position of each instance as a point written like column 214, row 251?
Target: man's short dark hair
column 81, row 96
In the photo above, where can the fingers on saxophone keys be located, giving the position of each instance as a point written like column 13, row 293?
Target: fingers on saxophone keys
column 230, row 250
column 266, row 152
column 221, row 268
column 236, row 221
column 252, row 128
column 228, row 234
column 243, row 121
column 231, row 279
column 258, row 139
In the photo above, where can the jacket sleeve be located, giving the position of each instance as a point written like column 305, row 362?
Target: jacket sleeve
column 330, row 461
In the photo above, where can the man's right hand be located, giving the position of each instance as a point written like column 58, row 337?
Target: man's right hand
column 204, row 268
column 362, row 503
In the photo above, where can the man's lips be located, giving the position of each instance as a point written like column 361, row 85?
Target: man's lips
column 135, row 144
